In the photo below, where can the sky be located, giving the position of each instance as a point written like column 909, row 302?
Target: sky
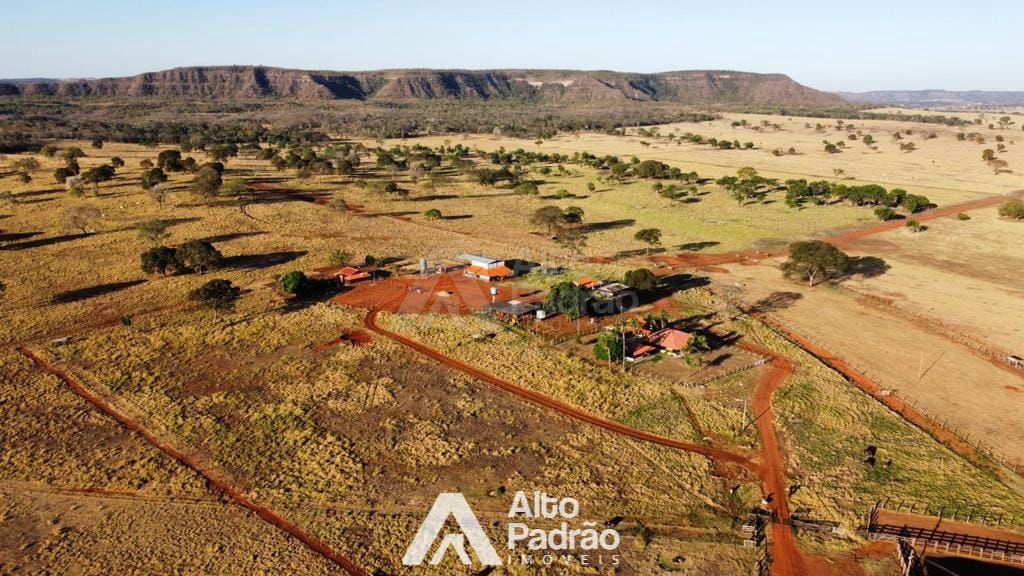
column 829, row 45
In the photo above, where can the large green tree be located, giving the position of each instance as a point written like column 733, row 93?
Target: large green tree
column 640, row 279
column 649, row 236
column 199, row 255
column 550, row 217
column 566, row 298
column 814, row 260
column 218, row 295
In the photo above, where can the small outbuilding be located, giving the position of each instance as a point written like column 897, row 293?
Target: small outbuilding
column 613, row 298
column 587, row 283
column 485, row 268
column 513, row 311
column 351, row 275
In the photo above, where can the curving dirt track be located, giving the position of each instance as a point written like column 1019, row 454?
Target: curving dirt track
column 220, row 484
column 370, row 321
column 786, row 557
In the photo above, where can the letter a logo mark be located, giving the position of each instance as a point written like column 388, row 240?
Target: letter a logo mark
column 451, row 504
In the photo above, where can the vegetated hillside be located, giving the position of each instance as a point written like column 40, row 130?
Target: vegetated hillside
column 931, row 98
column 685, row 87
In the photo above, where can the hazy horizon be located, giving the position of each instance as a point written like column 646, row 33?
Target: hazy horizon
column 914, row 45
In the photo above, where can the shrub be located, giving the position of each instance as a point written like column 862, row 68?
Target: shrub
column 1014, row 209
column 293, row 282
column 527, row 189
column 885, row 213
column 432, row 214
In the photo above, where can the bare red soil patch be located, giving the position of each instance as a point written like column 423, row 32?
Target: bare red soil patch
column 449, row 293
column 351, row 338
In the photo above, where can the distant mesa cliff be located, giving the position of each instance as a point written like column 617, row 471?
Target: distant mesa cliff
column 686, row 87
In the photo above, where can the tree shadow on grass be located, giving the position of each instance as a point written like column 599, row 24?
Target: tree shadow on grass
column 44, row 241
column 395, row 214
column 698, row 246
column 431, row 197
column 15, row 236
column 775, row 301
column 607, row 225
column 262, row 260
column 231, row 236
column 867, row 266
column 92, row 291
column 317, row 290
column 637, row 252
column 457, row 217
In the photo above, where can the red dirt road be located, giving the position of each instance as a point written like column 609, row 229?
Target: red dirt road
column 841, row 239
column 786, row 557
column 191, row 461
column 370, row 321
column 869, row 387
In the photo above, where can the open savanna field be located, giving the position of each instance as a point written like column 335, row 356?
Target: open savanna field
column 309, row 407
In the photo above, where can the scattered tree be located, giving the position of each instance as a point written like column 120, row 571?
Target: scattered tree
column 649, row 236
column 527, row 189
column 160, row 260
column 640, row 279
column 566, row 298
column 815, row 259
column 610, row 346
column 153, row 230
column 1012, row 209
column 152, row 177
column 199, row 255
column 432, row 214
column 885, row 213
column 341, row 258
column 218, row 295
column 82, row 217
column 573, row 240
column 206, row 183
column 548, row 216
column 158, row 194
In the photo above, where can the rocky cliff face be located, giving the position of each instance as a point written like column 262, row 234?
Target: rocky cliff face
column 688, row 87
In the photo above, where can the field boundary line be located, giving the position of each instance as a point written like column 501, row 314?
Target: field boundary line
column 216, row 480
column 787, row 560
column 981, row 348
column 896, row 403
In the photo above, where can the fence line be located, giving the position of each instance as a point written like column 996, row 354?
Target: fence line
column 935, row 325
column 732, row 371
column 1016, row 466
